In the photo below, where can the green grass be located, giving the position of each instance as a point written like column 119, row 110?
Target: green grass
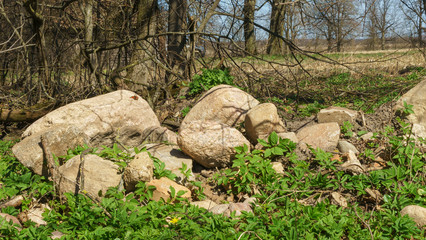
column 296, row 205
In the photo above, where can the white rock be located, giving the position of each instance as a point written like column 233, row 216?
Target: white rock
column 157, row 134
column 60, row 138
column 223, row 104
column 211, row 144
column 206, row 204
column 339, row 199
column 98, row 175
column 238, row 208
column 163, row 191
column 141, row 168
column 8, row 218
column 219, row 209
column 35, row 214
column 416, row 97
column 336, row 114
column 353, row 164
column 323, row 135
column 262, row 120
column 367, row 136
column 118, row 115
column 172, row 157
column 417, row 213
column 345, row 147
column 278, row 167
column 284, row 135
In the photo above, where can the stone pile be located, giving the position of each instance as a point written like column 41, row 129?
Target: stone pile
column 223, row 118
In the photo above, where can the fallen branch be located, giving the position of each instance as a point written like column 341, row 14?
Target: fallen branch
column 25, row 115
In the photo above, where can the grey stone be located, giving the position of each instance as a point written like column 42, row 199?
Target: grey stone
column 261, row 120
column 345, row 146
column 98, row 175
column 172, row 157
column 222, row 104
column 417, row 213
column 206, row 204
column 336, row 114
column 59, row 138
column 416, row 97
column 211, row 144
column 141, row 168
column 323, row 135
column 119, row 115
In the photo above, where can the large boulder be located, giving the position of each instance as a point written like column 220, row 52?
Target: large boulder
column 97, row 175
column 417, row 213
column 209, row 143
column 416, row 97
column 323, row 135
column 172, row 157
column 57, row 139
column 262, row 120
column 222, row 104
column 157, row 134
column 336, row 114
column 121, row 115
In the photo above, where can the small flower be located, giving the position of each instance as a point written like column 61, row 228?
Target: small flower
column 174, row 220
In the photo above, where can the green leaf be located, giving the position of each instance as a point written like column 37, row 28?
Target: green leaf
column 277, row 151
column 263, row 142
column 273, row 139
column 172, row 192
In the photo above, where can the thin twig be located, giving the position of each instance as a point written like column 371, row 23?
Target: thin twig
column 366, row 224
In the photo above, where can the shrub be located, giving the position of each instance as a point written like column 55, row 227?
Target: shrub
column 208, row 79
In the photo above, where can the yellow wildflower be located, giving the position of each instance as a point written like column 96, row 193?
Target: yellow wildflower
column 174, row 220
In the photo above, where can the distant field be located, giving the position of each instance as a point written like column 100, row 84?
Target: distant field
column 361, row 80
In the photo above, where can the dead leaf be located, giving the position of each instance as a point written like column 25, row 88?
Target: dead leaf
column 339, row 199
column 336, row 157
column 353, row 165
column 375, row 194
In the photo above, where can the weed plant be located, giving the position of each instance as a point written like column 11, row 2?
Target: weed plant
column 208, row 79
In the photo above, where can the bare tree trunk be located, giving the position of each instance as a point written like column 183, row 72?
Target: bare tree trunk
column 249, row 35
column 382, row 40
column 86, row 7
column 142, row 74
column 420, row 28
column 176, row 42
column 329, row 37
column 31, row 6
column 275, row 44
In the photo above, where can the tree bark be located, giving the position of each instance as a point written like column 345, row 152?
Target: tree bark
column 142, row 74
column 249, row 35
column 176, row 42
column 275, row 44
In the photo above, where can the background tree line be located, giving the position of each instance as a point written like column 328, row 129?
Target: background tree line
column 65, row 50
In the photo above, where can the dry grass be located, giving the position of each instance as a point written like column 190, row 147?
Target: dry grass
column 361, row 80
